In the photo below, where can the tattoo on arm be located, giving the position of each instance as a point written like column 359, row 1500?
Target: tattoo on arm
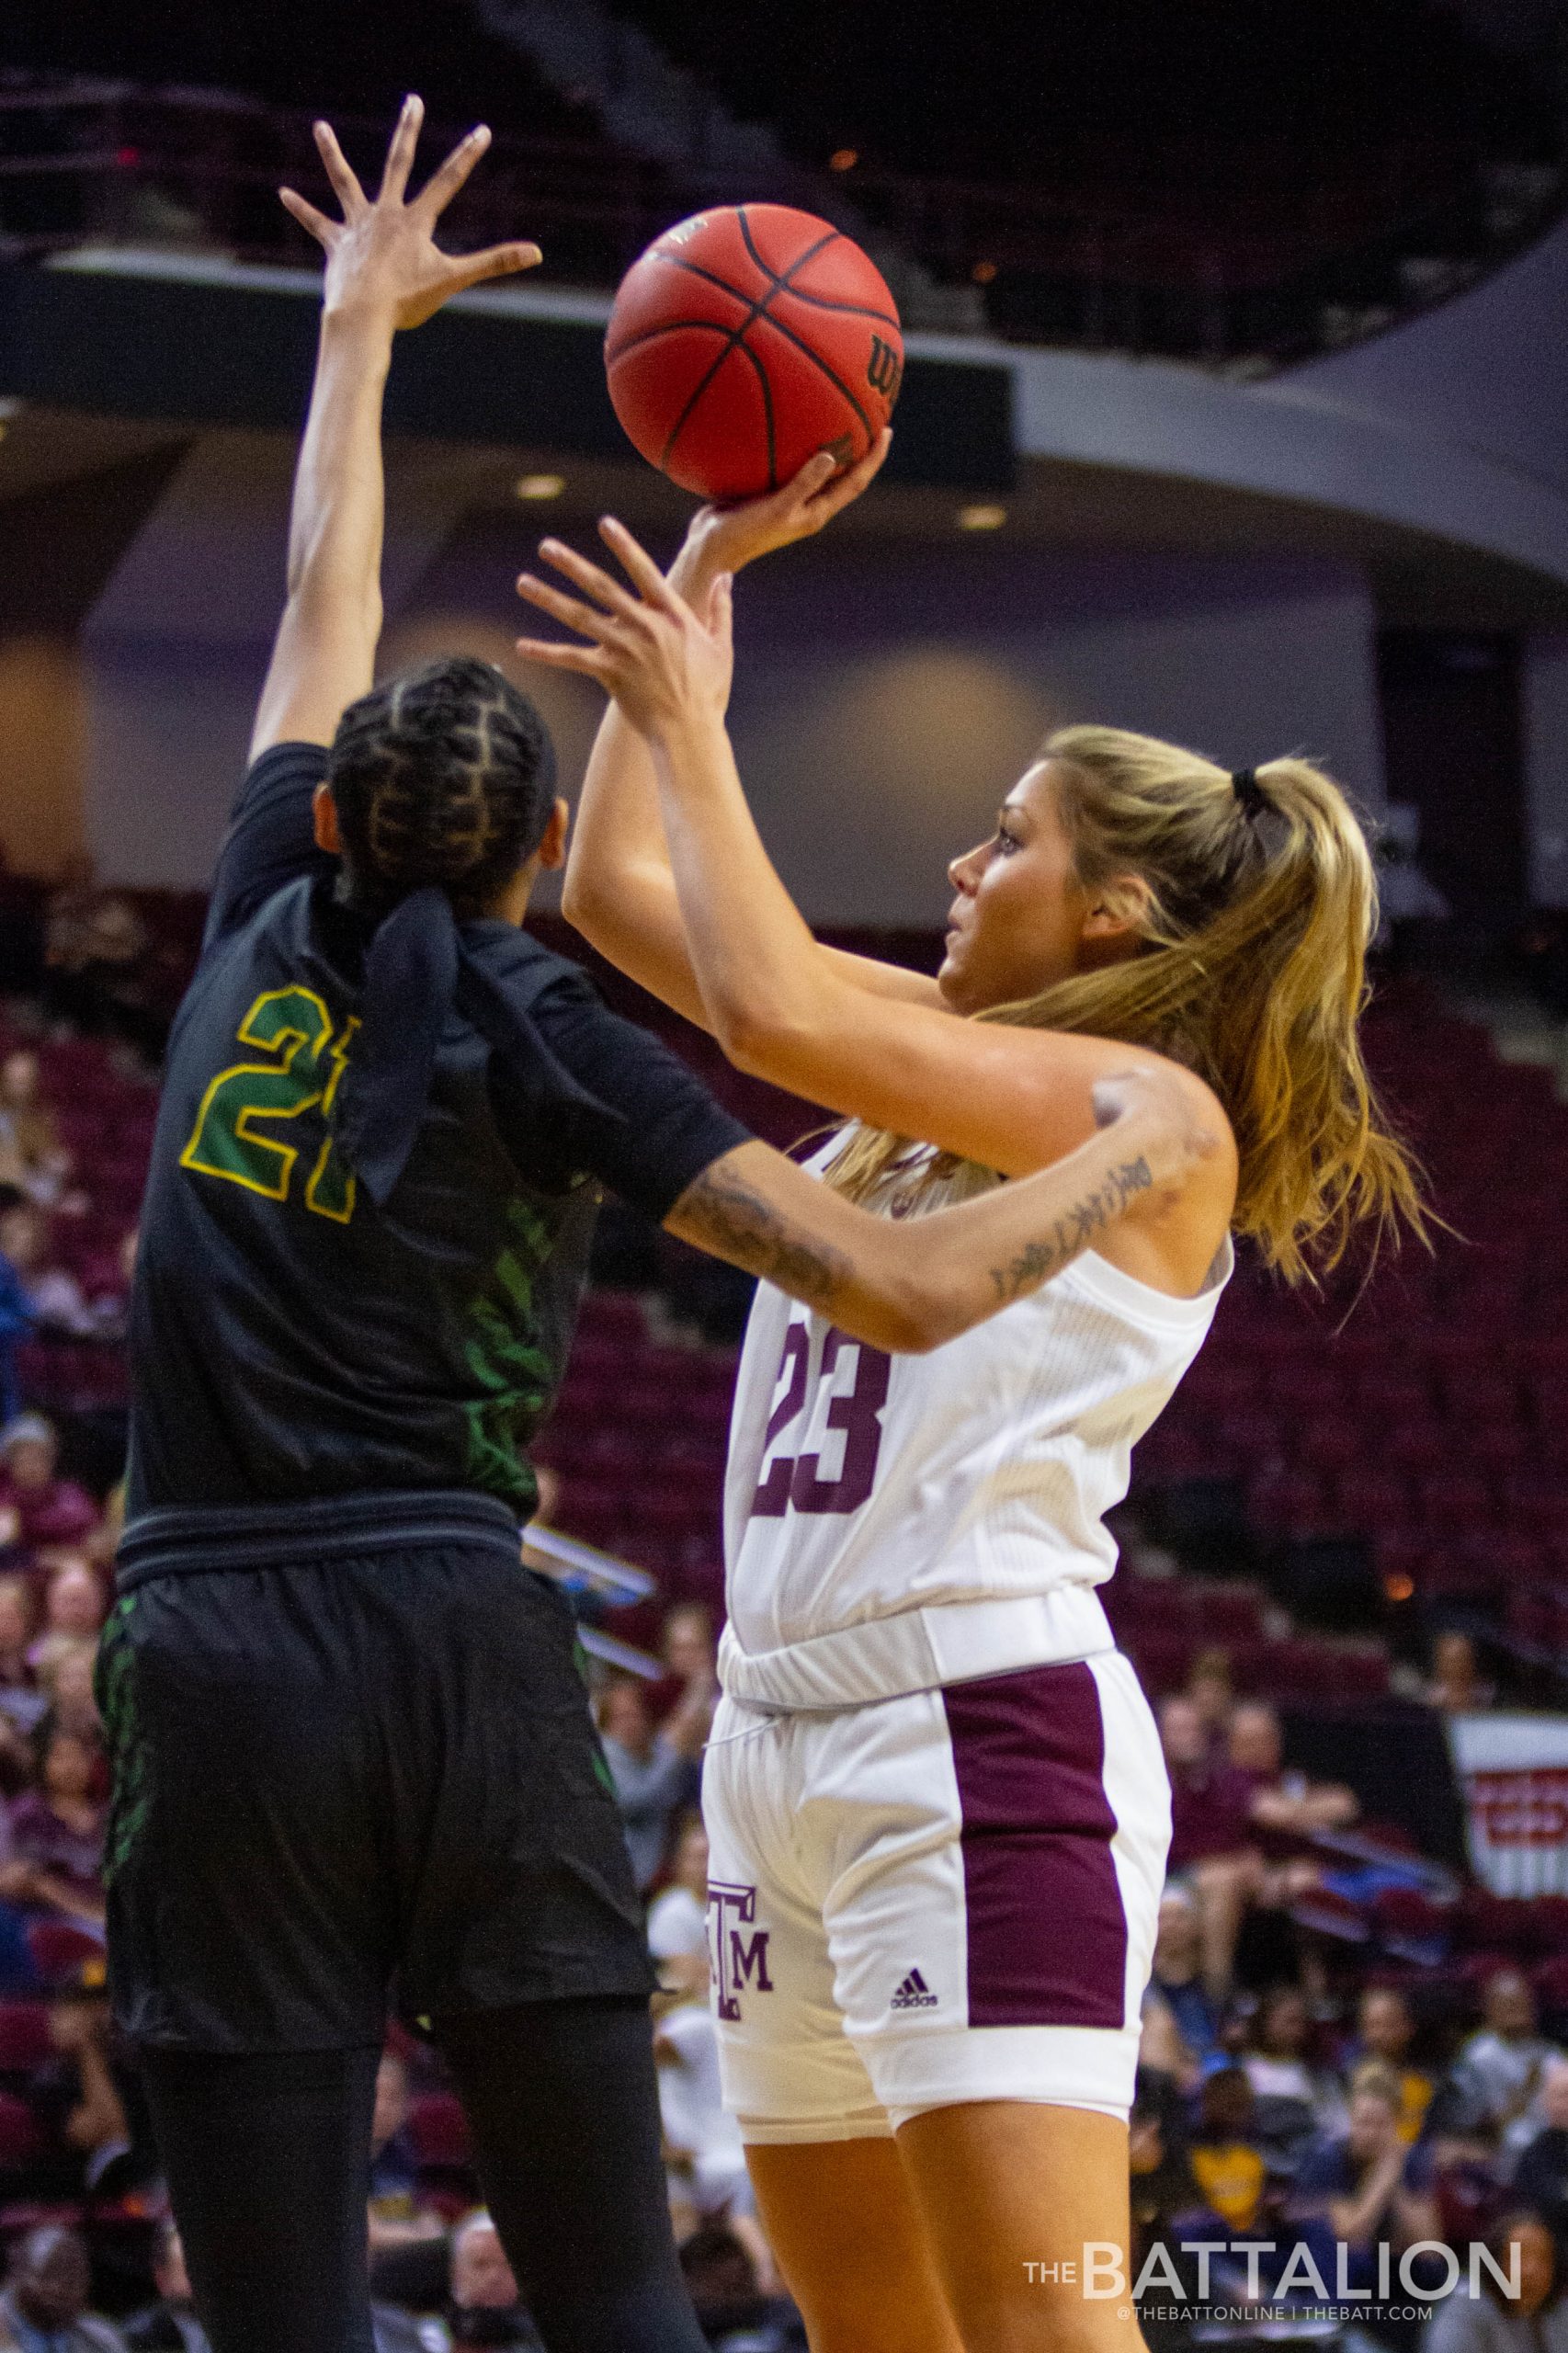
column 1072, row 1231
column 726, row 1216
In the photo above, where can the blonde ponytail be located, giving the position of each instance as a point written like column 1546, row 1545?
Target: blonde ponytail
column 1256, row 910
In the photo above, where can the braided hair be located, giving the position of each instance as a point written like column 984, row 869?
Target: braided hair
column 444, row 776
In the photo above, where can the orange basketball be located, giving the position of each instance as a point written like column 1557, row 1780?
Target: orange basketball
column 746, row 340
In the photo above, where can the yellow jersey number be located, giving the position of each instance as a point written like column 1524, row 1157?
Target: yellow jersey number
column 232, row 1137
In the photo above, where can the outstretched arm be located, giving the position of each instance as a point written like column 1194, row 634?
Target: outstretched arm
column 383, row 272
column 620, row 891
column 908, row 1287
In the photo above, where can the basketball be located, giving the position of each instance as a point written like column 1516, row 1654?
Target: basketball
column 745, row 341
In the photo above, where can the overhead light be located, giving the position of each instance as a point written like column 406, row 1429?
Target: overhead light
column 981, row 518
column 538, row 485
column 844, row 159
column 983, row 272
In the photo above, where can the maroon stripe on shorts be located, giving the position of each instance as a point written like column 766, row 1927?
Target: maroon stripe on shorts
column 1047, row 1933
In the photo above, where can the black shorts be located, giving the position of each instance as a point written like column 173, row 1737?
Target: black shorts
column 365, row 1781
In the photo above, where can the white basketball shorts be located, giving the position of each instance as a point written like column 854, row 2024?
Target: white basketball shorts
column 943, row 1897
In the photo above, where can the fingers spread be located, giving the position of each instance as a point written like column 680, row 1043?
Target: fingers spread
column 589, row 578
column 399, row 154
column 496, row 261
column 350, row 194
column 640, row 567
column 571, row 611
column 323, row 231
column 584, row 659
column 443, row 183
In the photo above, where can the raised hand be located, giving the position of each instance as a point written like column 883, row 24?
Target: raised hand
column 722, row 539
column 667, row 662
column 381, row 258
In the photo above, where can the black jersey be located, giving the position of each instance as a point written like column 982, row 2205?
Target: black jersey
column 291, row 1340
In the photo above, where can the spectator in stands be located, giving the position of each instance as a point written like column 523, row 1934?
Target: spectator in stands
column 1499, row 2073
column 1177, row 1983
column 689, row 1644
column 1457, row 1686
column 1286, row 1805
column 1540, row 2178
column 58, row 1828
column 1294, row 2100
column 95, row 954
column 70, row 1695
column 655, row 1773
column 486, row 2308
column 1386, row 2031
column 1213, row 1848
column 678, row 1918
column 16, row 1326
column 31, row 1154
column 170, row 2325
column 1226, row 2154
column 72, row 1613
column 53, row 1296
column 44, row 2306
column 733, row 2312
column 81, row 2094
column 703, row 2141
column 398, row 2215
column 1162, row 2181
column 1210, row 1689
column 49, row 1510
column 21, row 1703
column 1535, row 2321
column 1361, row 2187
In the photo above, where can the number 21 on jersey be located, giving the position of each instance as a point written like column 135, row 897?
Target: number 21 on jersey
column 293, row 1028
column 853, row 1382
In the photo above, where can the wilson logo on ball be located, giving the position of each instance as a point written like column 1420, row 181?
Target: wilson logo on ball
column 884, row 372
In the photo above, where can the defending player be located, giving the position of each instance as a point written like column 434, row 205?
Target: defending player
column 934, row 1793
column 352, row 1751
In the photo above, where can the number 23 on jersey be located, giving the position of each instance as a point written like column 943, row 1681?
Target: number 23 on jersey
column 853, row 1411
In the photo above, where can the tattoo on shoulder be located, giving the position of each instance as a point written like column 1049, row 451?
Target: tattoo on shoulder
column 738, row 1224
column 1072, row 1232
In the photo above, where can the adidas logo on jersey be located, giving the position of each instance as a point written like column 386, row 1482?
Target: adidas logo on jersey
column 915, row 1994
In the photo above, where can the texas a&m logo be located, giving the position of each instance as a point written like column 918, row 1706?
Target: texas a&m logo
column 738, row 1958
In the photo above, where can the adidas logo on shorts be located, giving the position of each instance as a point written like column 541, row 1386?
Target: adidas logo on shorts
column 915, row 1994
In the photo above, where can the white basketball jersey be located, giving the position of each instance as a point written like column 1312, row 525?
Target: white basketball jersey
column 895, row 1522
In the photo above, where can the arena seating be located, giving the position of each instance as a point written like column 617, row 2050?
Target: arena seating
column 1430, row 1412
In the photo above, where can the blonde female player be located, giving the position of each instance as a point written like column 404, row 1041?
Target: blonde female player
column 936, row 1798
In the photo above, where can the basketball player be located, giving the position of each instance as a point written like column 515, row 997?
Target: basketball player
column 351, row 1745
column 934, row 1792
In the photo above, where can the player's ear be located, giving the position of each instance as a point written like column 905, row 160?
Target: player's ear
column 551, row 851
column 324, row 813
column 1117, row 915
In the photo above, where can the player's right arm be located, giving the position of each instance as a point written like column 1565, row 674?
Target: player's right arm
column 908, row 1287
column 619, row 890
column 385, row 272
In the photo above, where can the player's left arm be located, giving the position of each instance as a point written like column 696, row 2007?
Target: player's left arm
column 383, row 271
